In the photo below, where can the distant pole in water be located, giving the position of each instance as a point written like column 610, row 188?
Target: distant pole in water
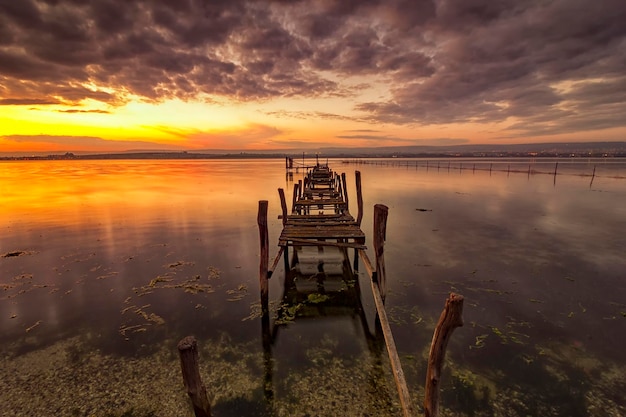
column 474, row 169
column 490, row 166
column 508, row 172
column 188, row 351
column 528, row 170
column 448, row 166
column 593, row 176
column 460, row 167
column 555, row 169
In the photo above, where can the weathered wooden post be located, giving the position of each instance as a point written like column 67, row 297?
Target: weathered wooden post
column 359, row 216
column 188, row 350
column 263, row 262
column 283, row 204
column 345, row 191
column 359, row 197
column 294, row 198
column 451, row 318
column 380, row 234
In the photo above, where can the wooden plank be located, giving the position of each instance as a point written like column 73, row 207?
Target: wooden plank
column 396, row 366
column 310, row 242
column 270, row 271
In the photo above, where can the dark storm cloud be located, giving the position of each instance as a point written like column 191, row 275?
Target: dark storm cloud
column 552, row 66
column 497, row 61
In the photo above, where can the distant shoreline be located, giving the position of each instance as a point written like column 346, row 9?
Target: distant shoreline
column 199, row 156
column 538, row 150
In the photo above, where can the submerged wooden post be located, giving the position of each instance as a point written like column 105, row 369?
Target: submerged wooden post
column 451, row 318
column 263, row 262
column 188, row 351
column 380, row 234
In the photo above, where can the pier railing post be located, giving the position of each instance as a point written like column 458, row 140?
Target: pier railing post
column 380, row 234
column 264, row 261
column 188, row 350
column 451, row 318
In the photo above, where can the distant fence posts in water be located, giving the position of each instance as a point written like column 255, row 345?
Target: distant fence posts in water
column 188, row 350
column 451, row 318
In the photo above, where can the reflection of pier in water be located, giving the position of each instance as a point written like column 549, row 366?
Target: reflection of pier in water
column 320, row 284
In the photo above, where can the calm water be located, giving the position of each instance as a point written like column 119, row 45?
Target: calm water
column 107, row 264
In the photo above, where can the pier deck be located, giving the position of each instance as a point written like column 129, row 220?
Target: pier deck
column 319, row 214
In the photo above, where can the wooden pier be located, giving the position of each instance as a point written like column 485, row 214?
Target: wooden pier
column 320, row 217
column 319, row 230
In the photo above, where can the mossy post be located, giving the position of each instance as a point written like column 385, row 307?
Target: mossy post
column 188, row 350
column 451, row 318
column 264, row 261
column 380, row 234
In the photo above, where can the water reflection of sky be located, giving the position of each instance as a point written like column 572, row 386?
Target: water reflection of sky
column 539, row 261
column 515, row 246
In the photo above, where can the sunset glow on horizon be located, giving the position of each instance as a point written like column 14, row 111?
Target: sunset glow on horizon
column 111, row 76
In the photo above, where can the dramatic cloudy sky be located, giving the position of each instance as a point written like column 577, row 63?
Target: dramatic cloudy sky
column 203, row 74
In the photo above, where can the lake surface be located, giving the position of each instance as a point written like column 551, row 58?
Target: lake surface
column 106, row 265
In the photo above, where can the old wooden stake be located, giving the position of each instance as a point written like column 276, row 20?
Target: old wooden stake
column 294, row 198
column 451, row 318
column 359, row 197
column 380, row 234
column 283, row 204
column 188, row 350
column 263, row 262
column 345, row 191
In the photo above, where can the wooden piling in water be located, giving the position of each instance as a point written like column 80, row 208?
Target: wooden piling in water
column 294, row 198
column 283, row 204
column 359, row 197
column 263, row 262
column 380, row 234
column 188, row 351
column 345, row 191
column 451, row 318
